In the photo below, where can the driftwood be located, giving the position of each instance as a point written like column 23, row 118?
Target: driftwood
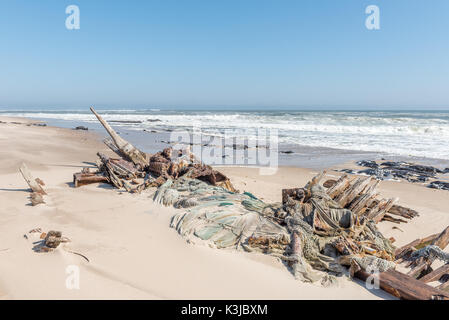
column 133, row 154
column 389, row 218
column 436, row 274
column 122, row 168
column 156, row 169
column 36, row 198
column 110, row 143
column 32, row 183
column 49, row 241
column 405, row 251
column 81, row 179
column 422, row 264
column 405, row 287
column 444, row 286
column 403, row 212
column 360, row 195
column 35, row 185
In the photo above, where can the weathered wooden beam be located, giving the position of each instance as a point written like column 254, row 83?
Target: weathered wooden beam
column 81, row 179
column 398, row 210
column 352, row 192
column 421, row 264
column 365, row 199
column 30, row 180
column 443, row 239
column 36, row 198
column 405, row 287
column 138, row 157
column 342, row 183
column 110, row 143
column 444, row 286
column 436, row 274
column 416, row 244
column 122, row 168
column 383, row 209
column 389, row 218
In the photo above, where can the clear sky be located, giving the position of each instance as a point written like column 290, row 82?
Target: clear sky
column 278, row 53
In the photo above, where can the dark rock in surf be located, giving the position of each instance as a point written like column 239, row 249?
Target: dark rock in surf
column 411, row 172
column 368, row 164
column 439, row 185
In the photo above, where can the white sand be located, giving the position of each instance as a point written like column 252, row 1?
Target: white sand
column 132, row 251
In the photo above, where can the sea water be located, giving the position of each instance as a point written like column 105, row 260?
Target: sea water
column 346, row 135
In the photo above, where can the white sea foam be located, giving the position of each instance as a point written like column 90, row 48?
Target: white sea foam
column 422, row 134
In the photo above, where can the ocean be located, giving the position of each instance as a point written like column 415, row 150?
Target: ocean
column 350, row 135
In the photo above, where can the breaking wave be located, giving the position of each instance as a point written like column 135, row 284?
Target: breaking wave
column 422, row 134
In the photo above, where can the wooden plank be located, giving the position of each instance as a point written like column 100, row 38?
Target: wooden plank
column 81, row 179
column 422, row 264
column 36, row 198
column 436, row 274
column 443, row 239
column 444, row 286
column 342, row 183
column 381, row 213
column 416, row 244
column 389, row 218
column 138, row 157
column 403, row 212
column 113, row 147
column 32, row 183
column 405, row 287
column 352, row 192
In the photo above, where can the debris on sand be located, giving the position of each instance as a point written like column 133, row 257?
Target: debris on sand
column 136, row 171
column 322, row 231
column 35, row 184
column 48, row 241
column 316, row 231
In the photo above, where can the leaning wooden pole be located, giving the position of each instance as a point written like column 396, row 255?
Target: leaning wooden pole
column 32, row 183
column 133, row 154
column 35, row 184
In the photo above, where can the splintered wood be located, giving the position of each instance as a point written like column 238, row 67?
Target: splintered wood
column 360, row 195
column 421, row 266
column 132, row 154
column 135, row 170
column 405, row 287
column 35, row 185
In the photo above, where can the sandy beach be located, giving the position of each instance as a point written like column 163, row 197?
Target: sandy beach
column 132, row 251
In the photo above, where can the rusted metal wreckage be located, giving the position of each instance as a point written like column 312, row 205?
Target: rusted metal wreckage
column 317, row 230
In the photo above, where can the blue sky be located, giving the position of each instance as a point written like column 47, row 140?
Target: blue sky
column 166, row 53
